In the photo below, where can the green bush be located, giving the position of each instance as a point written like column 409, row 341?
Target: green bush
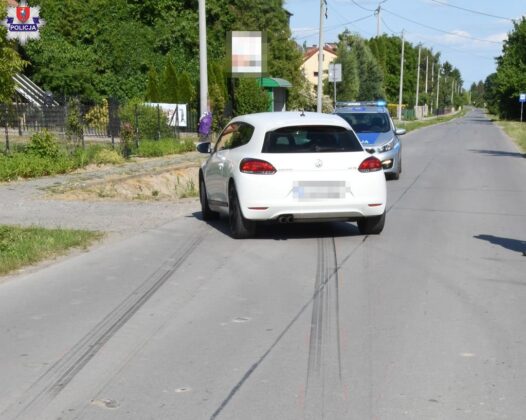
column 43, row 144
column 126, row 139
column 163, row 147
column 148, row 121
column 250, row 97
column 24, row 165
column 107, row 157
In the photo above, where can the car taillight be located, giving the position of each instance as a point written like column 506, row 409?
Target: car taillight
column 371, row 164
column 256, row 166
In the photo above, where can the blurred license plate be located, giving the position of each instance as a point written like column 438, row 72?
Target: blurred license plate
column 318, row 190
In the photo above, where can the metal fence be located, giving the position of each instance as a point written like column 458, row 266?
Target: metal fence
column 92, row 122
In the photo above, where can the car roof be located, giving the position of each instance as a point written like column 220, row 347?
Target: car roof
column 360, row 109
column 273, row 120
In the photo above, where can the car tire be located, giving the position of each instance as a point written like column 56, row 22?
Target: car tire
column 240, row 227
column 206, row 212
column 395, row 175
column 372, row 225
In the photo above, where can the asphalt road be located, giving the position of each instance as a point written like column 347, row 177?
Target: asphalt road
column 426, row 321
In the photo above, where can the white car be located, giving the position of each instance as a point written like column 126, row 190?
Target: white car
column 291, row 167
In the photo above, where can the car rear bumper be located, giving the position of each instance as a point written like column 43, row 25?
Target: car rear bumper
column 314, row 212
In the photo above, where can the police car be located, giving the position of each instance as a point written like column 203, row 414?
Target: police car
column 376, row 131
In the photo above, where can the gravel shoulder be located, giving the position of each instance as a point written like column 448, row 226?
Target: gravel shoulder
column 29, row 202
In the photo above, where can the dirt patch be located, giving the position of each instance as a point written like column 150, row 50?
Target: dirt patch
column 165, row 185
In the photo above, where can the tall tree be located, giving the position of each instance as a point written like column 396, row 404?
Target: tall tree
column 10, row 61
column 186, row 88
column 250, row 97
column 152, row 91
column 349, row 87
column 169, row 91
column 511, row 67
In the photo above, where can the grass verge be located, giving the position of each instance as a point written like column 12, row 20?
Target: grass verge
column 163, row 147
column 515, row 130
column 414, row 125
column 43, row 155
column 20, row 246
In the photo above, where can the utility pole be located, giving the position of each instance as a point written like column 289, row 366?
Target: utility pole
column 400, row 92
column 432, row 75
column 427, row 69
column 438, row 86
column 203, row 59
column 418, row 75
column 323, row 12
column 377, row 13
column 452, row 90
column 334, row 78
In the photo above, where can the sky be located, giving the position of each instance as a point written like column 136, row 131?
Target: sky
column 469, row 41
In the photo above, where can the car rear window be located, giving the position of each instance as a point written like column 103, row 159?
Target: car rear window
column 367, row 122
column 311, row 139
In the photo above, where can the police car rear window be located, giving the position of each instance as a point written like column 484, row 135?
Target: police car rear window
column 311, row 139
column 367, row 122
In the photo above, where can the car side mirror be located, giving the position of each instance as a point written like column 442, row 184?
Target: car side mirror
column 400, row 131
column 204, row 147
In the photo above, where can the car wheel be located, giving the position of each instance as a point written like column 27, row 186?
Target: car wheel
column 239, row 226
column 372, row 225
column 395, row 175
column 206, row 213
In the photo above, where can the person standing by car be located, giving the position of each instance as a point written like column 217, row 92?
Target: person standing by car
column 205, row 127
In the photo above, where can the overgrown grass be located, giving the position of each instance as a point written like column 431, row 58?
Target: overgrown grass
column 20, row 247
column 516, row 130
column 414, row 125
column 23, row 165
column 46, row 156
column 163, row 147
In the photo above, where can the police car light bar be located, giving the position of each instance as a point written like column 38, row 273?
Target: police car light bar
column 363, row 103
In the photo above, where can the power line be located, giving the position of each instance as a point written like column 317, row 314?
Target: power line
column 363, row 8
column 441, row 30
column 478, row 12
column 447, row 47
column 336, row 12
column 330, row 28
column 389, row 28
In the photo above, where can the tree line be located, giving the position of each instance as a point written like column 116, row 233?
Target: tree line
column 148, row 49
column 371, row 70
column 500, row 91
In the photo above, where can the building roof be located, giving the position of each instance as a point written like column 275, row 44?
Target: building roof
column 331, row 48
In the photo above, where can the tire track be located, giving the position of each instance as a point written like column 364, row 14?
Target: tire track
column 331, row 275
column 57, row 377
column 324, row 388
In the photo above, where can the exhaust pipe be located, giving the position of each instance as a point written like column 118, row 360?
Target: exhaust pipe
column 286, row 218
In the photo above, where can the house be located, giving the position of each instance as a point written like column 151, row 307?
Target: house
column 310, row 62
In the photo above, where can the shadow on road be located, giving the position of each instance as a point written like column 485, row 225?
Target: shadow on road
column 282, row 232
column 511, row 244
column 478, row 120
column 498, row 153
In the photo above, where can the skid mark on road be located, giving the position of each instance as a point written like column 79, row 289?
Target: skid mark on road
column 57, row 377
column 324, row 391
column 331, row 274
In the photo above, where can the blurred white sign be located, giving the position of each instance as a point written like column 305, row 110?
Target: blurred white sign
column 175, row 113
column 335, row 72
